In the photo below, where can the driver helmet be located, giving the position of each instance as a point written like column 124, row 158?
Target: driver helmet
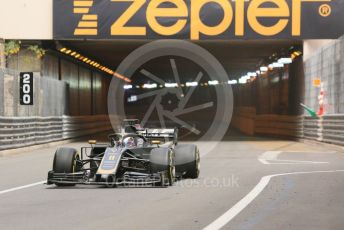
column 129, row 142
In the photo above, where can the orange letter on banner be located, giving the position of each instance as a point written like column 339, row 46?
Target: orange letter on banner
column 255, row 11
column 239, row 17
column 153, row 12
column 198, row 27
column 118, row 28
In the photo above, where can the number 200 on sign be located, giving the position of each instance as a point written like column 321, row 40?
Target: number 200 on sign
column 26, row 88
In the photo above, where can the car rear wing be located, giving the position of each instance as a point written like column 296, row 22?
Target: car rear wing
column 166, row 134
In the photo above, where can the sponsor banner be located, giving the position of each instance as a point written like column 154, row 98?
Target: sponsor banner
column 198, row 19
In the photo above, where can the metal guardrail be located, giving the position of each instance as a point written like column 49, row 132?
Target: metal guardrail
column 279, row 125
column 247, row 121
column 328, row 129
column 16, row 132
column 243, row 119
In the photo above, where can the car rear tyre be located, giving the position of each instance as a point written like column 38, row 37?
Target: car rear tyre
column 187, row 160
column 162, row 161
column 65, row 161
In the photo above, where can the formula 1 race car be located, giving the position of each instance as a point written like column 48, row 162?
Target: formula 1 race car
column 135, row 156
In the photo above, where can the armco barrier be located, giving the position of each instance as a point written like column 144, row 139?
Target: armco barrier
column 243, row 119
column 279, row 125
column 248, row 122
column 328, row 129
column 16, row 132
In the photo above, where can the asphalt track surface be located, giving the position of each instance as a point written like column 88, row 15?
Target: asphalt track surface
column 244, row 184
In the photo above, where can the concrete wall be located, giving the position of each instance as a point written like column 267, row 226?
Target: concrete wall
column 100, row 90
column 26, row 19
column 2, row 54
column 311, row 47
column 50, row 66
column 269, row 94
column 84, row 90
column 49, row 96
column 326, row 64
column 25, row 61
column 70, row 75
column 296, row 83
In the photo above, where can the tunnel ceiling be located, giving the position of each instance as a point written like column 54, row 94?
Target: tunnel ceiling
column 237, row 57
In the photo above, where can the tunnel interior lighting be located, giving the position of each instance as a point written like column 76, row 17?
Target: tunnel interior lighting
column 150, row 86
column 264, row 69
column 232, row 82
column 92, row 63
column 127, row 87
column 132, row 98
column 296, row 54
column 171, row 85
column 277, row 65
column 285, row 61
column 242, row 80
column 214, row 82
column 191, row 84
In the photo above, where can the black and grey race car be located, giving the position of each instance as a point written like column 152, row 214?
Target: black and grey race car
column 135, row 156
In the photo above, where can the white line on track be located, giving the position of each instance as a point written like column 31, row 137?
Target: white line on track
column 242, row 204
column 22, row 187
column 270, row 158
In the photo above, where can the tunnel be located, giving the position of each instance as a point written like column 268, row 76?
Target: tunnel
column 273, row 94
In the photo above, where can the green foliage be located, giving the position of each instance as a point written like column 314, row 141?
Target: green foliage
column 12, row 47
column 40, row 52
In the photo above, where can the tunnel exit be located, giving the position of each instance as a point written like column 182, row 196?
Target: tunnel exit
column 265, row 77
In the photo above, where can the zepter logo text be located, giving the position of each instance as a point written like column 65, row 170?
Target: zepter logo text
column 235, row 14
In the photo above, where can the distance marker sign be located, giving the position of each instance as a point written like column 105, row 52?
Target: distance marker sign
column 26, row 88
